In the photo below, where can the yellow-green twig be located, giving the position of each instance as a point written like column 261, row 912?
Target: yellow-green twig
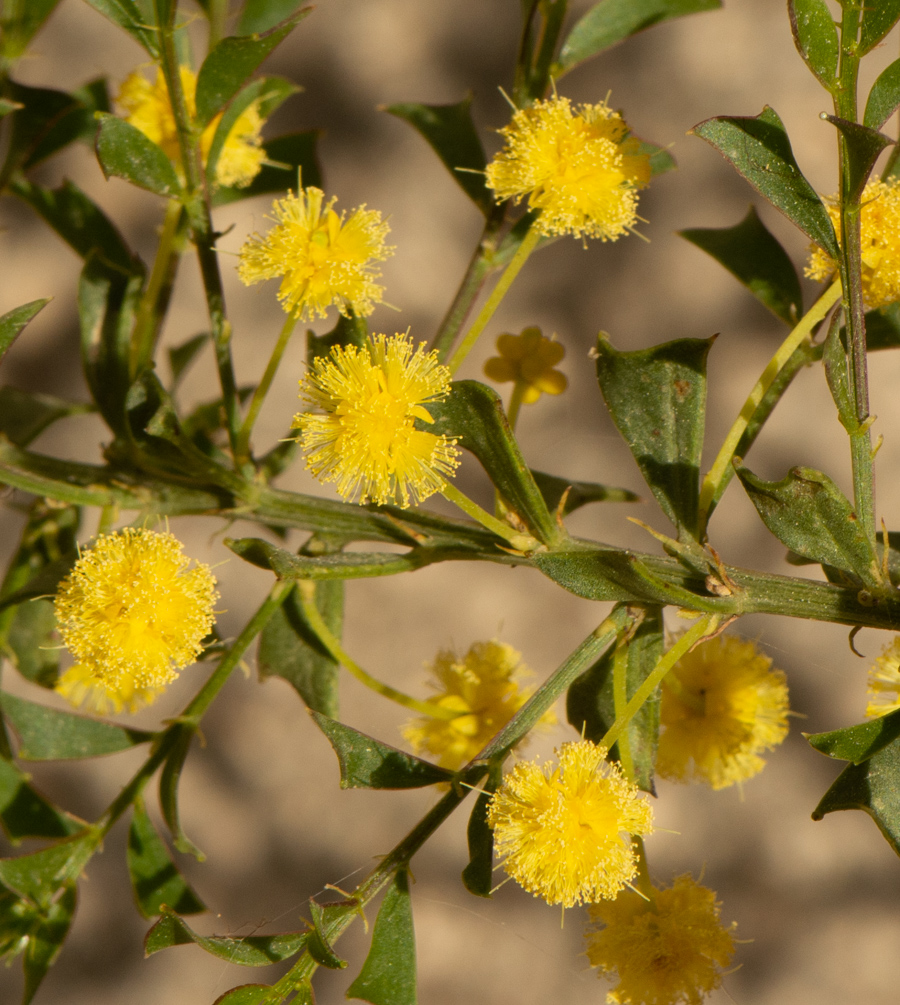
column 516, row 539
column 620, row 702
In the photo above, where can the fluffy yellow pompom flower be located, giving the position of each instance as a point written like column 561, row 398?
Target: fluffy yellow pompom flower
column 665, row 953
column 565, row 833
column 366, row 439
column 721, row 707
column 324, row 259
column 879, row 244
column 578, row 166
column 132, row 613
column 884, row 681
column 484, row 687
column 528, row 359
column 150, row 110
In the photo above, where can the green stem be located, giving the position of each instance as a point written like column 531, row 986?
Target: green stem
column 242, row 449
column 515, row 403
column 217, row 12
column 620, row 702
column 718, row 476
column 516, row 539
column 157, row 291
column 529, row 243
column 306, row 590
column 702, row 627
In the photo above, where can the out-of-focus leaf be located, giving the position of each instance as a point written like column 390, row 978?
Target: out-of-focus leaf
column 253, row 994
column 478, row 875
column 232, row 61
column 872, row 786
column 661, row 160
column 41, row 875
column 250, row 951
column 863, row 146
column 884, row 97
column 155, row 878
column 451, row 133
column 34, row 643
column 542, row 23
column 261, row 15
column 760, row 150
column 20, row 24
column 126, row 14
column 124, row 151
column 12, row 322
column 181, row 356
column 367, row 763
column 25, row 813
column 169, row 778
column 877, row 20
column 26, row 414
column 816, row 38
column 287, row 157
column 809, row 513
column 756, row 259
column 590, row 703
column 612, row 21
column 48, row 121
column 45, row 940
column 388, row 976
column 553, row 489
column 657, row 399
column 858, row 743
column 834, row 357
column 48, row 734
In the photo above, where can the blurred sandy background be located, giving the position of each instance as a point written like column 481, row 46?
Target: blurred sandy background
column 816, row 902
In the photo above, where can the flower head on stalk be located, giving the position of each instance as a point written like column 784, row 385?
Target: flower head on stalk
column 132, row 613
column 879, row 244
column 722, row 705
column 149, row 109
column 564, row 833
column 577, row 165
column 666, row 952
column 364, row 437
column 324, row 259
column 484, row 687
column 884, row 681
column 528, row 359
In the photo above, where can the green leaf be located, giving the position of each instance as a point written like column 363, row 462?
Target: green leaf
column 473, row 415
column 286, row 156
column 478, row 875
column 155, row 878
column 45, row 940
column 884, row 97
column 261, row 15
column 661, row 160
column 863, row 147
column 577, row 494
column 12, row 322
column 124, row 151
column 181, row 356
column 877, row 20
column 254, row 994
column 756, row 259
column 882, row 328
column 760, row 150
column 809, row 513
column 25, row 813
column 388, row 976
column 612, row 21
column 816, row 38
column 343, row 565
column 590, row 703
column 834, row 357
column 169, row 778
column 858, row 743
column 21, row 25
column 250, row 951
column 319, row 947
column 40, row 876
column 290, row 649
column 657, row 399
column 34, row 642
column 80, row 222
column 872, row 786
column 126, row 14
column 367, row 763
column 48, row 121
column 232, row 62
column 451, row 133
column 24, row 415
column 47, row 734
column 542, row 23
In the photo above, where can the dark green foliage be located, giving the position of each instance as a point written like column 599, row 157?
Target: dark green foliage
column 12, row 322
column 478, row 875
column 858, row 743
column 816, row 38
column 877, row 20
column 125, row 152
column 249, row 951
column 155, row 878
column 884, row 97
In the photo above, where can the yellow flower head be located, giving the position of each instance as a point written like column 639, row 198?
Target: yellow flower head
column 528, row 359
column 150, row 110
column 132, row 614
column 484, row 688
column 366, row 439
column 884, row 681
column 324, row 259
column 879, row 241
column 721, row 707
column 578, row 166
column 565, row 833
column 665, row 953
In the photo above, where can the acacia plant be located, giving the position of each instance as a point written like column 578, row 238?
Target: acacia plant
column 100, row 604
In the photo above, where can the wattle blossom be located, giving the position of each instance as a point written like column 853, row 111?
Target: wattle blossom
column 884, row 681
column 528, row 359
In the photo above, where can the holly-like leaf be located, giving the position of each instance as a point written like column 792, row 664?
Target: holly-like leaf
column 760, row 150
column 877, row 20
column 809, row 513
column 858, row 743
column 388, row 976
column 155, row 878
column 451, row 133
column 577, row 494
column 12, row 322
column 48, row 734
column 755, row 258
column 863, row 147
column 40, row 876
column 657, row 399
column 816, row 38
column 125, row 152
column 367, row 763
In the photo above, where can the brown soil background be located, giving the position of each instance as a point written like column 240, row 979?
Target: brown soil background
column 816, row 902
